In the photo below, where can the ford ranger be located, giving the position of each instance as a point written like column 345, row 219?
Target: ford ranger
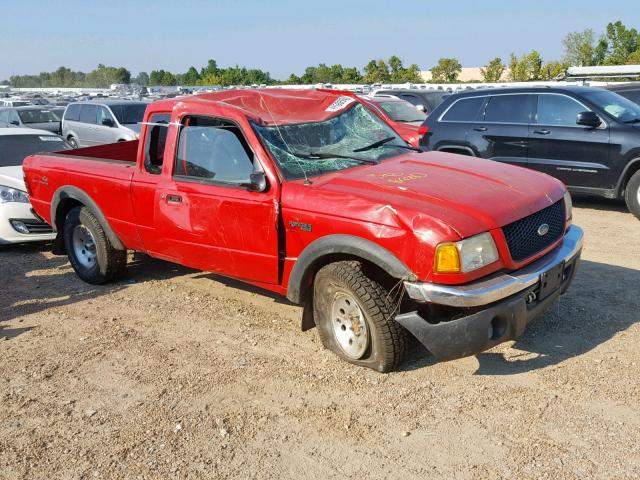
column 312, row 195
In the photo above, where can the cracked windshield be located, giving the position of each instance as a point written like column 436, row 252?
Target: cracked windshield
column 355, row 137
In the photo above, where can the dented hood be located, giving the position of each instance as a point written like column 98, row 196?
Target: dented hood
column 457, row 195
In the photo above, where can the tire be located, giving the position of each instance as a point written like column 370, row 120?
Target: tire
column 73, row 142
column 364, row 333
column 632, row 194
column 90, row 252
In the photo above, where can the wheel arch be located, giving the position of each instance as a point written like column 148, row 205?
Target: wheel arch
column 631, row 167
column 334, row 248
column 67, row 197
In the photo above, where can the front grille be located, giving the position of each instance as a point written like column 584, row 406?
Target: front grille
column 522, row 235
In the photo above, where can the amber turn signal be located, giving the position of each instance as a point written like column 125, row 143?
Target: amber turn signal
column 447, row 259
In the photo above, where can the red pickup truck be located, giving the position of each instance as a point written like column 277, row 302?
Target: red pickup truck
column 312, row 195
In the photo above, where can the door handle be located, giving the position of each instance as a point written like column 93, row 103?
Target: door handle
column 174, row 199
column 480, row 129
column 542, row 132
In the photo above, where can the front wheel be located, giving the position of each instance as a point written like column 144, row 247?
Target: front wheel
column 90, row 252
column 355, row 317
column 632, row 194
column 73, row 142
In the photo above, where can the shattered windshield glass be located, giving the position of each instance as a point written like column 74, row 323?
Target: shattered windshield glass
column 351, row 131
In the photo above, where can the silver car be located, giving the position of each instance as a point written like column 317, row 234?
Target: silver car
column 85, row 124
column 33, row 116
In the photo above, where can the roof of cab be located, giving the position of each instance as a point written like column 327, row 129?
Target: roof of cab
column 274, row 106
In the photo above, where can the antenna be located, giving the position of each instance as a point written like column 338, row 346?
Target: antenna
column 306, row 179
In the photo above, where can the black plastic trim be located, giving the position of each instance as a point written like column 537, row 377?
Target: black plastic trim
column 303, row 269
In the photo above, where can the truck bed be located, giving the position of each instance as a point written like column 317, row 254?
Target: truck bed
column 124, row 151
column 103, row 172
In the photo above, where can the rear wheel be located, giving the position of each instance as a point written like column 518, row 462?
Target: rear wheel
column 632, row 194
column 90, row 252
column 355, row 317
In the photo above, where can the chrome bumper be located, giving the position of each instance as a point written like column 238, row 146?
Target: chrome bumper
column 501, row 285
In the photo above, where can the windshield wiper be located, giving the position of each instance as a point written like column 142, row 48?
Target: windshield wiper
column 324, row 156
column 377, row 144
column 633, row 120
column 383, row 143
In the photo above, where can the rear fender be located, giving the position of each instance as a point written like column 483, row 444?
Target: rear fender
column 58, row 214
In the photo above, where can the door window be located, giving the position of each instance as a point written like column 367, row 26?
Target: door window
column 558, row 110
column 213, row 151
column 4, row 116
column 72, row 112
column 104, row 114
column 508, row 109
column 155, row 142
column 464, row 110
column 13, row 117
column 88, row 114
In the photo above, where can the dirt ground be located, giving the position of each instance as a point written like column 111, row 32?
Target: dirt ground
column 175, row 373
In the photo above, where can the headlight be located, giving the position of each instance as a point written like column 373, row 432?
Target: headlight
column 466, row 255
column 568, row 205
column 12, row 195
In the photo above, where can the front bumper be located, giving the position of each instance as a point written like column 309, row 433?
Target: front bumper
column 495, row 309
column 21, row 212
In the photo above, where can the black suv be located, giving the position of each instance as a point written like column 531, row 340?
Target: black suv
column 587, row 137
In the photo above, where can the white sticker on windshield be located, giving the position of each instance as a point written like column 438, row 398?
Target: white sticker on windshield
column 339, row 104
column 50, row 139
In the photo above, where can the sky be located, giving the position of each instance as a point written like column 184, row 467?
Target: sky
column 285, row 36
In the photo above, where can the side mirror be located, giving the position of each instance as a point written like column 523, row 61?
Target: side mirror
column 421, row 108
column 15, row 122
column 258, row 182
column 107, row 122
column 588, row 119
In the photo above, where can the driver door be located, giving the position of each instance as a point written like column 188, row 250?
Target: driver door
column 206, row 214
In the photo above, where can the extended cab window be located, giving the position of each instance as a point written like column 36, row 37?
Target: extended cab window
column 213, row 150
column 464, row 110
column 509, row 109
column 155, row 141
column 88, row 114
column 558, row 110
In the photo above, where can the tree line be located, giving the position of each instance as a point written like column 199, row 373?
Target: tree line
column 618, row 45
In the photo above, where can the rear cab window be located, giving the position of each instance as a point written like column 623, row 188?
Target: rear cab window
column 464, row 110
column 155, row 141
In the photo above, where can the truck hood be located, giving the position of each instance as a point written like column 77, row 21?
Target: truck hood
column 421, row 192
column 12, row 177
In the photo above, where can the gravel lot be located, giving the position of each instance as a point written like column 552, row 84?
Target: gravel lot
column 175, row 373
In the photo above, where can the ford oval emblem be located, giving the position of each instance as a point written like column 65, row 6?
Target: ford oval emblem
column 543, row 229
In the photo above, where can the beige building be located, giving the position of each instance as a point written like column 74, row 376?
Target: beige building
column 468, row 74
